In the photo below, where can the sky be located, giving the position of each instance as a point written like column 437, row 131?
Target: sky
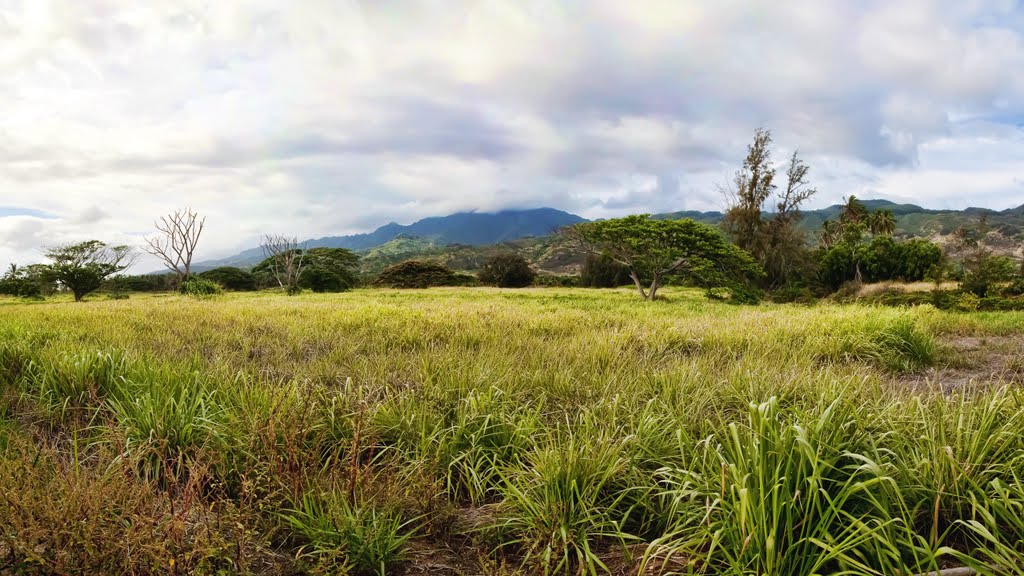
column 326, row 117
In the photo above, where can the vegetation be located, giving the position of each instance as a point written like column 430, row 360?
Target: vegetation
column 176, row 240
column 775, row 241
column 329, row 270
column 416, row 274
column 507, row 271
column 553, row 431
column 655, row 250
column 200, row 287
column 83, row 267
column 231, row 278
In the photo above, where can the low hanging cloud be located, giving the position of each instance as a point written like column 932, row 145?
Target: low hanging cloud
column 328, row 117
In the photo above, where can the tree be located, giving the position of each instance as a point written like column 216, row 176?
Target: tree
column 329, row 269
column 507, row 271
column 854, row 211
column 32, row 281
column 882, row 222
column 420, row 274
column 600, row 271
column 231, row 278
column 83, row 267
column 284, row 259
column 178, row 237
column 652, row 250
column 829, row 234
column 774, row 241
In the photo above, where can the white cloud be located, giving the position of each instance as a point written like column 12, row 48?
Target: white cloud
column 325, row 117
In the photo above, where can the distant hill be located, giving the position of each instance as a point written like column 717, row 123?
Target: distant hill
column 468, row 228
column 465, row 240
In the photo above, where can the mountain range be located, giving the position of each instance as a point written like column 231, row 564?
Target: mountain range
column 465, row 239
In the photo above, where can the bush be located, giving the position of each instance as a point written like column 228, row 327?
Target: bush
column 200, row 287
column 324, row 280
column 556, row 280
column 968, row 302
column 147, row 283
column 507, row 271
column 231, row 278
column 603, row 272
column 419, row 274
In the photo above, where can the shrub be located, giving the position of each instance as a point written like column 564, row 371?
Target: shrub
column 603, row 272
column 556, row 280
column 419, row 274
column 968, row 302
column 231, row 278
column 324, row 280
column 507, row 271
column 200, row 287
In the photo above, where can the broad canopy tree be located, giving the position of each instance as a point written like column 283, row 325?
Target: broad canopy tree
column 82, row 267
column 652, row 250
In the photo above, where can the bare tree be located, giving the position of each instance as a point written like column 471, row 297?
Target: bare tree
column 176, row 242
column 285, row 258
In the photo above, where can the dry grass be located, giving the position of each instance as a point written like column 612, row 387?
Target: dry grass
column 579, row 430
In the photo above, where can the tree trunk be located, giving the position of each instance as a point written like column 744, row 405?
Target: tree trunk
column 639, row 286
column 655, row 284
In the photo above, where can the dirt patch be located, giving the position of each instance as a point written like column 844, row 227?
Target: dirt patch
column 972, row 362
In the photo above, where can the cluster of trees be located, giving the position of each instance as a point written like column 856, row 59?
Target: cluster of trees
column 762, row 247
column 79, row 268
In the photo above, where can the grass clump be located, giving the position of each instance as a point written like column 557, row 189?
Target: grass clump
column 200, row 288
column 340, row 536
column 558, row 431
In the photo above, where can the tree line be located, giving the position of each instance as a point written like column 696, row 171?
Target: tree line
column 759, row 249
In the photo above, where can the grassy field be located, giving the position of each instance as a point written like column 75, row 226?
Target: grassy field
column 480, row 431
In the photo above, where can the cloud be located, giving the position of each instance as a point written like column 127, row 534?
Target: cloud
column 329, row 117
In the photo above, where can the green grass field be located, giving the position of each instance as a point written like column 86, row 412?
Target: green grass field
column 481, row 431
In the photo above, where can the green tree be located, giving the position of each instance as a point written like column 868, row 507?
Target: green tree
column 329, row 270
column 507, row 271
column 773, row 240
column 653, row 250
column 600, row 271
column 231, row 278
column 854, row 211
column 82, row 267
column 882, row 223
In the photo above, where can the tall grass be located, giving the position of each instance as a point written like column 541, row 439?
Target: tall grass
column 557, row 431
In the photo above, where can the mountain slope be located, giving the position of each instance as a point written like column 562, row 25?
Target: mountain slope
column 469, row 228
column 465, row 239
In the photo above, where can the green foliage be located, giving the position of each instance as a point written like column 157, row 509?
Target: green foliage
column 200, row 287
column 329, row 270
column 83, row 267
column 417, row 274
column 600, row 271
column 231, row 278
column 323, row 270
column 563, row 431
column 656, row 249
column 340, row 536
column 774, row 241
column 881, row 259
column 148, row 283
column 985, row 272
column 968, row 302
column 507, row 271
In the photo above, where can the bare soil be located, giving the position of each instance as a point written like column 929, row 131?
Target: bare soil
column 969, row 362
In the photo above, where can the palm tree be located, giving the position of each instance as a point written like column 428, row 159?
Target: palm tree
column 829, row 233
column 12, row 271
column 853, row 211
column 882, row 222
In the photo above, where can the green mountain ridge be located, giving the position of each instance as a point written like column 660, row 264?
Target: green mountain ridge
column 464, row 241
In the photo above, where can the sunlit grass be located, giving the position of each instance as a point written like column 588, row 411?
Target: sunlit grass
column 557, row 430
